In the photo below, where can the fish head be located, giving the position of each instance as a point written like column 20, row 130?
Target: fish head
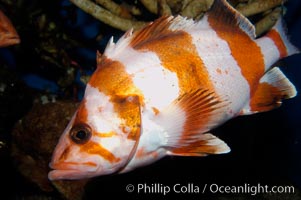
column 8, row 34
column 100, row 139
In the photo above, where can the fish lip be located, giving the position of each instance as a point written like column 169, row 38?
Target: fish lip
column 59, row 174
column 70, row 170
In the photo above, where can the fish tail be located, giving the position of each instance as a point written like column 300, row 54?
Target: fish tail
column 278, row 35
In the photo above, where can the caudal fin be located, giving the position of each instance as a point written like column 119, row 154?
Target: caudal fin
column 279, row 37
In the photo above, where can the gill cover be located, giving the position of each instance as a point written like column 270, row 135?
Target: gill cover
column 128, row 107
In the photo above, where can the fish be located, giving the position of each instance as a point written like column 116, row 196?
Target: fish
column 160, row 90
column 8, row 34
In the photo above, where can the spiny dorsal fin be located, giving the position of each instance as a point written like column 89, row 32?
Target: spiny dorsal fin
column 160, row 28
column 225, row 17
column 98, row 58
column 228, row 18
column 163, row 27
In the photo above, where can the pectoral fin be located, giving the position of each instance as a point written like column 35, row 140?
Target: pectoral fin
column 187, row 119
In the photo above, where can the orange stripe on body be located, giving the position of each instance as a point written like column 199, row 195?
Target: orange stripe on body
column 128, row 109
column 243, row 49
column 82, row 113
column 275, row 36
column 178, row 54
column 109, row 134
column 112, row 79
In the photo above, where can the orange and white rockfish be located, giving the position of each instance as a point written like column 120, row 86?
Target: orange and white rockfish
column 160, row 90
column 8, row 34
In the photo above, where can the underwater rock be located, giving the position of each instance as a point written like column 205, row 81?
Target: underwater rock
column 12, row 92
column 34, row 138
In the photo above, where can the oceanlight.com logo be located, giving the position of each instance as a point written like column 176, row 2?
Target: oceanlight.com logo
column 192, row 188
column 250, row 189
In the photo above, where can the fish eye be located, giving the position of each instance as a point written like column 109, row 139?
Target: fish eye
column 80, row 133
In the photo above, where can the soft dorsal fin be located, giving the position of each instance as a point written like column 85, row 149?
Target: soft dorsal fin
column 228, row 18
column 274, row 86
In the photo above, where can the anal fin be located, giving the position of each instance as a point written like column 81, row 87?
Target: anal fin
column 274, row 86
column 204, row 145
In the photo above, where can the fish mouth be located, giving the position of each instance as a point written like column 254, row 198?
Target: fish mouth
column 71, row 170
column 58, row 174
